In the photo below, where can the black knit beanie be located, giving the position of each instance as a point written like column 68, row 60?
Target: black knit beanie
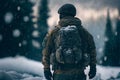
column 67, row 9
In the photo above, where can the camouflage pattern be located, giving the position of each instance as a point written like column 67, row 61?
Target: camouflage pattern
column 49, row 46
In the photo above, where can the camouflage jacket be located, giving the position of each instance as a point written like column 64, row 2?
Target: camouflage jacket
column 49, row 45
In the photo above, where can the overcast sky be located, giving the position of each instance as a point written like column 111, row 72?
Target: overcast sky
column 95, row 3
column 87, row 10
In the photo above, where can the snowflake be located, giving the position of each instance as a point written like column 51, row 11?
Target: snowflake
column 98, row 36
column 100, row 50
column 116, row 33
column 24, row 42
column 36, row 44
column 20, row 44
column 1, row 37
column 105, row 58
column 34, row 19
column 8, row 17
column 35, row 26
column 106, row 39
column 100, row 62
column 35, row 33
column 18, row 8
column 16, row 33
column 26, row 18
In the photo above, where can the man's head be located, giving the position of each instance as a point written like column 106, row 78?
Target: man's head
column 67, row 10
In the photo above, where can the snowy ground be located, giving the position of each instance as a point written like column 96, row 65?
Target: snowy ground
column 20, row 68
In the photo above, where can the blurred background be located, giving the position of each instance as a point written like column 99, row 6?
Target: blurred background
column 24, row 24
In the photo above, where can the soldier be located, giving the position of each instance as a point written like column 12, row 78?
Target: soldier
column 69, row 48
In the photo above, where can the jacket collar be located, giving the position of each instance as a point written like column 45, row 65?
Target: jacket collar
column 69, row 21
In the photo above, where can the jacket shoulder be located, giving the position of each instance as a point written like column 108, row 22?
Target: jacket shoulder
column 86, row 33
column 53, row 31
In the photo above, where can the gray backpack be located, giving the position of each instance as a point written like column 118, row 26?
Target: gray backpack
column 69, row 45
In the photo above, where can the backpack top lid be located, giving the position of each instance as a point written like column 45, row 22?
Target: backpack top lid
column 69, row 36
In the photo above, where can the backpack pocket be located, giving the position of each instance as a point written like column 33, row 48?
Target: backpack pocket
column 59, row 56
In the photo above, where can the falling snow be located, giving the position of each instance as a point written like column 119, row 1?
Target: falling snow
column 106, row 39
column 16, row 33
column 8, row 17
column 35, row 26
column 105, row 58
column 1, row 37
column 18, row 8
column 98, row 36
column 36, row 44
column 26, row 18
column 100, row 50
column 35, row 33
column 100, row 62
column 116, row 33
column 24, row 42
column 20, row 44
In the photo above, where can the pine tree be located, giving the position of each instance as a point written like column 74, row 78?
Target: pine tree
column 7, row 44
column 117, row 48
column 109, row 41
column 42, row 21
column 15, row 27
column 25, row 26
